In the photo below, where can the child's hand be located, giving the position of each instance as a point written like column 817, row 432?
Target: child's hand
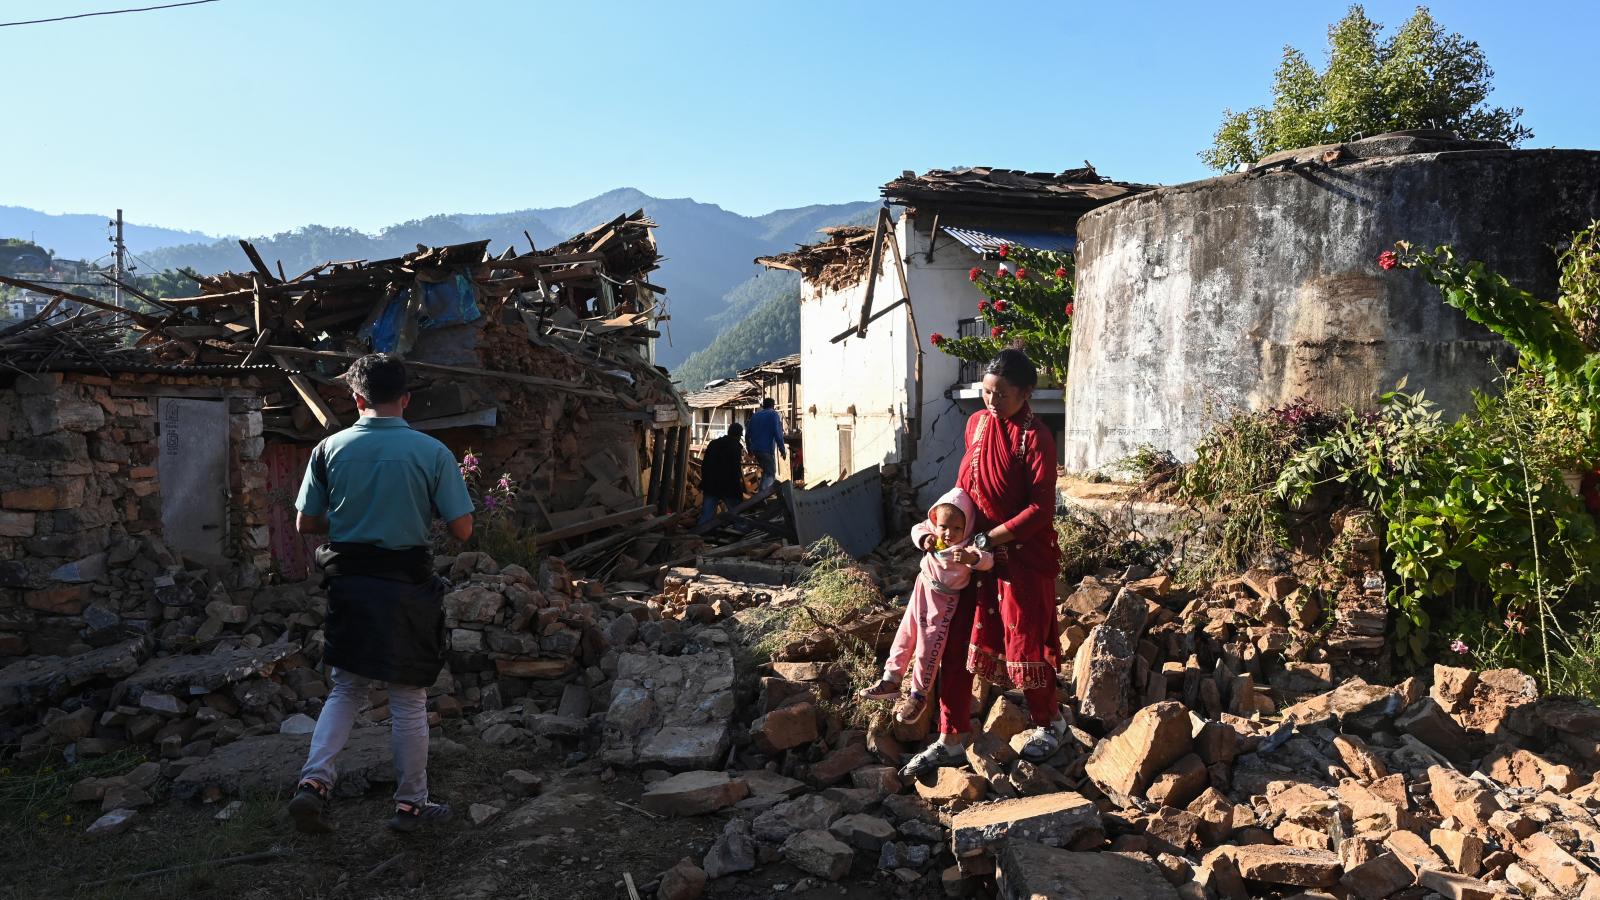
column 928, row 543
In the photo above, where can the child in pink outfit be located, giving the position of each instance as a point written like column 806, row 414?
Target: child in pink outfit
column 946, row 568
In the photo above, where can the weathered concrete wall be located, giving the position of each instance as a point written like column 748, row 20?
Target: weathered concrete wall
column 1246, row 292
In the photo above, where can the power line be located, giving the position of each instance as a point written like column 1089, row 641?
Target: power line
column 109, row 12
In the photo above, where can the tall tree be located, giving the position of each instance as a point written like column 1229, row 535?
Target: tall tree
column 1420, row 77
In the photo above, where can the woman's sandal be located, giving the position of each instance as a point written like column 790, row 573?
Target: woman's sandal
column 1043, row 742
column 883, row 690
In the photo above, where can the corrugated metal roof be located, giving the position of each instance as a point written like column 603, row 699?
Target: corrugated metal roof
column 987, row 243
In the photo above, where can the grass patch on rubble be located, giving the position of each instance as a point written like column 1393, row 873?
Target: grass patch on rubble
column 834, row 594
column 34, row 798
column 38, row 822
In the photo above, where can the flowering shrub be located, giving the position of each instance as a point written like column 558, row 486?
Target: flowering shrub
column 496, row 528
column 1480, row 524
column 492, row 504
column 1021, row 307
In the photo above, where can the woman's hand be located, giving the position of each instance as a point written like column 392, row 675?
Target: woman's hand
column 964, row 555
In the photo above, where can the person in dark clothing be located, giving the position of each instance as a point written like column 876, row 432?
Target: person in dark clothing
column 722, row 473
column 375, row 488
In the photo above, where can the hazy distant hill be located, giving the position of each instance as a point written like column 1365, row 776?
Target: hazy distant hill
column 83, row 235
column 707, row 249
column 760, row 321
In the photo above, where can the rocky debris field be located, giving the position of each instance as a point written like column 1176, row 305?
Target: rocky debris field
column 1223, row 743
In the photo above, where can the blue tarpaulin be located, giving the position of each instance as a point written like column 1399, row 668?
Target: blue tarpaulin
column 449, row 302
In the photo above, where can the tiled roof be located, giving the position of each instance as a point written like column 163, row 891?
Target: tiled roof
column 726, row 393
column 745, row 388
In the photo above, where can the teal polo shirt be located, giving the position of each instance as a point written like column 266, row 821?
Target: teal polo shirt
column 379, row 482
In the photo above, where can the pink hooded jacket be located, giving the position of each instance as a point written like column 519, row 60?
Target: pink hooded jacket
column 944, row 574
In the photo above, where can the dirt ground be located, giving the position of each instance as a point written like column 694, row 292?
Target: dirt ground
column 573, row 840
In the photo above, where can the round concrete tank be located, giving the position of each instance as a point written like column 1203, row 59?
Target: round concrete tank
column 1249, row 291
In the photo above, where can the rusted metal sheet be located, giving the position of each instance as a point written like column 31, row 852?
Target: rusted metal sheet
column 291, row 551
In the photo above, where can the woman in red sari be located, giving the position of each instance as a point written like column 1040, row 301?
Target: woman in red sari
column 1009, row 469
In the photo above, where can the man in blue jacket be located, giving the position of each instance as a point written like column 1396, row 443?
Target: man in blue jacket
column 764, row 437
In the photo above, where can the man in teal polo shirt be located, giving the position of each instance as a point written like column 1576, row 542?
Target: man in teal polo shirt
column 375, row 489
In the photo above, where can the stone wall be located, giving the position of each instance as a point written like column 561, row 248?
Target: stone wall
column 1250, row 291
column 82, row 556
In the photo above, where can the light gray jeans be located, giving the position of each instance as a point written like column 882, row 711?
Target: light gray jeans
column 408, row 733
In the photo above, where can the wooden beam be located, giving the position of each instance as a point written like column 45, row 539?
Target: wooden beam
column 147, row 322
column 625, row 534
column 308, row 393
column 915, row 423
column 621, row 518
column 680, row 493
column 872, row 271
column 568, row 386
column 258, row 263
column 255, row 302
column 854, row 330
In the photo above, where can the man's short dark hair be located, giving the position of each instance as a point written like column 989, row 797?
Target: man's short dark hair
column 378, row 378
column 767, row 403
column 736, row 429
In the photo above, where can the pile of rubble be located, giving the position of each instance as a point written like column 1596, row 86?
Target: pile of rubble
column 1210, row 754
column 1219, row 745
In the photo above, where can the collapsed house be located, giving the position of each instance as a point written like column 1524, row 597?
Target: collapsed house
column 870, row 297
column 140, row 448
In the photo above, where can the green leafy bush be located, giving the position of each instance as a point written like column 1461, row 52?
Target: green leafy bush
column 1420, row 77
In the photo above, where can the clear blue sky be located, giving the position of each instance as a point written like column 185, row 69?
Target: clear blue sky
column 250, row 116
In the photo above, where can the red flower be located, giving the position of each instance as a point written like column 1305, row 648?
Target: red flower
column 1069, row 310
column 1388, row 259
column 1004, row 250
column 996, row 331
column 1061, row 273
column 1002, row 272
column 936, row 339
column 973, row 273
column 1022, row 271
column 999, row 306
column 983, row 306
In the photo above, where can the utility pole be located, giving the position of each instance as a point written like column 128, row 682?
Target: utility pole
column 118, row 264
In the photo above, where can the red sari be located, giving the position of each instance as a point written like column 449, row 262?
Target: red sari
column 1009, row 469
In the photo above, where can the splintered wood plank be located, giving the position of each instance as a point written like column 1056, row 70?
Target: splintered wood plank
column 308, row 393
column 621, row 518
column 259, row 264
